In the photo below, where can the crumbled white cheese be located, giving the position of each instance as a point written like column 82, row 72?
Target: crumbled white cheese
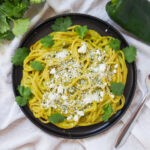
column 116, row 66
column 98, row 52
column 60, row 89
column 102, row 67
column 102, row 93
column 95, row 97
column 61, row 54
column 56, row 76
column 87, row 99
column 69, row 117
column 114, row 71
column 53, row 96
column 112, row 96
column 64, row 97
column 99, row 58
column 66, row 111
column 80, row 113
column 83, row 48
column 52, row 85
column 90, row 98
column 53, row 71
column 76, row 118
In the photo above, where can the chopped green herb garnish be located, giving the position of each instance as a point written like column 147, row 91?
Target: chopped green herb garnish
column 4, row 25
column 25, row 93
column 19, row 56
column 56, row 118
column 61, row 24
column 117, row 88
column 115, row 44
column 107, row 112
column 20, row 26
column 37, row 1
column 130, row 54
column 21, row 101
column 47, row 41
column 81, row 30
column 15, row 8
column 36, row 65
column 7, row 35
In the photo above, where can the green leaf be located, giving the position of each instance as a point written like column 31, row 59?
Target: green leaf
column 130, row 54
column 21, row 101
column 117, row 88
column 47, row 41
column 82, row 30
column 115, row 44
column 4, row 25
column 56, row 118
column 24, row 91
column 37, row 1
column 61, row 24
column 107, row 112
column 15, row 8
column 20, row 26
column 7, row 35
column 19, row 56
column 36, row 65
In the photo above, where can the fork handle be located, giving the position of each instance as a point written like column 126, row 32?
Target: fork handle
column 130, row 121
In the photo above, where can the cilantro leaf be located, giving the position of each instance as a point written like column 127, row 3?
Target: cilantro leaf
column 37, row 1
column 82, row 30
column 20, row 26
column 24, row 91
column 117, row 88
column 115, row 44
column 107, row 112
column 19, row 56
column 130, row 54
column 47, row 41
column 21, row 101
column 56, row 118
column 4, row 25
column 15, row 8
column 7, row 35
column 36, row 65
column 61, row 24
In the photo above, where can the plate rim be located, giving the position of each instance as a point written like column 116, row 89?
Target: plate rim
column 133, row 86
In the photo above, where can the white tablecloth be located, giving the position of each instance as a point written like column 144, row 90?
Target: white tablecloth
column 18, row 133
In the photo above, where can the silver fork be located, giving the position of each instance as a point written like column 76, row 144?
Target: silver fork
column 133, row 116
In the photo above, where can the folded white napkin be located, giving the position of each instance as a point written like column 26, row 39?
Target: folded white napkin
column 18, row 133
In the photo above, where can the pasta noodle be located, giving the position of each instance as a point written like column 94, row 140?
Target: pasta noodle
column 76, row 78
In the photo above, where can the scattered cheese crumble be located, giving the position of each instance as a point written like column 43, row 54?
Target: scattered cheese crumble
column 58, row 95
column 83, row 48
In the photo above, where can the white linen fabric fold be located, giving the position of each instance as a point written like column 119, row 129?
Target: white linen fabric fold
column 18, row 133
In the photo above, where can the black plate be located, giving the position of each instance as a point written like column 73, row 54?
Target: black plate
column 101, row 27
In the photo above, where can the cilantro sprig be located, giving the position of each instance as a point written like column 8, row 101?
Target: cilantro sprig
column 19, row 56
column 7, row 35
column 61, row 24
column 56, row 118
column 130, row 54
column 12, row 22
column 20, row 26
column 107, row 112
column 114, row 44
column 117, row 88
column 37, row 65
column 81, row 30
column 25, row 93
column 47, row 41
